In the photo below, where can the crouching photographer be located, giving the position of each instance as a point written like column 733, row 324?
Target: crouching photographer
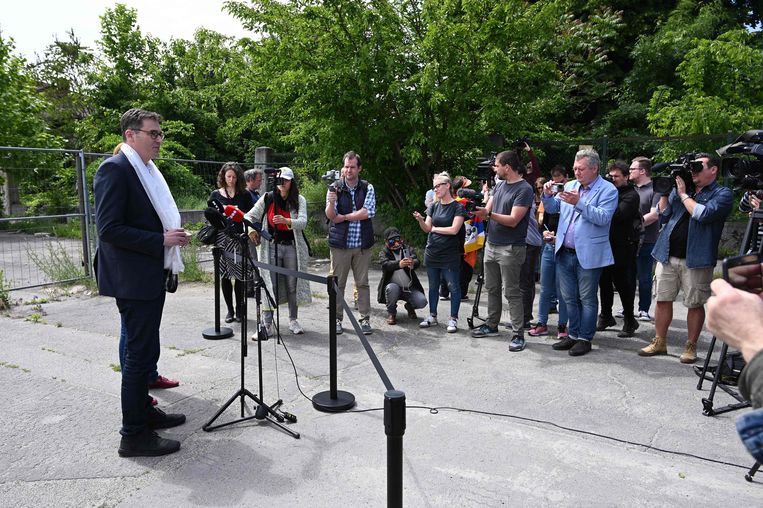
column 399, row 280
column 735, row 315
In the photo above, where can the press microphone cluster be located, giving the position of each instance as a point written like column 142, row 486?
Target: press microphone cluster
column 234, row 214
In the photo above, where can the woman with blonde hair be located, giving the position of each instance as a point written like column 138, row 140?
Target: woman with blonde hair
column 445, row 248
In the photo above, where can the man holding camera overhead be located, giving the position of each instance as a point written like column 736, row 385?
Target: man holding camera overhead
column 350, row 206
column 686, row 251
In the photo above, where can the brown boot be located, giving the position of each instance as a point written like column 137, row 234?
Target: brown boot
column 391, row 319
column 659, row 346
column 690, row 353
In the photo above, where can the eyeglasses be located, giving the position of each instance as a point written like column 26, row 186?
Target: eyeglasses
column 154, row 134
column 437, row 185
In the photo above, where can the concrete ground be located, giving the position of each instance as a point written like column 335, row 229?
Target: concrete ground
column 536, row 428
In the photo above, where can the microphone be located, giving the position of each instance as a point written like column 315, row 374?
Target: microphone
column 215, row 218
column 235, row 215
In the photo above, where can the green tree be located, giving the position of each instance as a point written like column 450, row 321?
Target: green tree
column 415, row 87
column 656, row 55
column 21, row 115
column 719, row 89
column 62, row 78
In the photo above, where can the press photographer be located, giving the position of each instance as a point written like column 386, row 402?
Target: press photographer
column 687, row 249
column 746, row 173
column 283, row 214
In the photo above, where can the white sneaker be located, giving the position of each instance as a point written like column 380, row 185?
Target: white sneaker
column 452, row 325
column 295, row 328
column 620, row 313
column 644, row 316
column 428, row 321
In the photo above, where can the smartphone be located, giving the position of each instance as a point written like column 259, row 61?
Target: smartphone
column 558, row 187
column 744, row 272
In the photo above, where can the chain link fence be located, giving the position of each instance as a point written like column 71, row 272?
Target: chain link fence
column 47, row 227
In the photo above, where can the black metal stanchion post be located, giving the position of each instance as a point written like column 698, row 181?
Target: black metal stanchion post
column 217, row 332
column 394, row 427
column 333, row 400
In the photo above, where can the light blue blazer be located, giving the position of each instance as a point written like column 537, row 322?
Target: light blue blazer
column 592, row 229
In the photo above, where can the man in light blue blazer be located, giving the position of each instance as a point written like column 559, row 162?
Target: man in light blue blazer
column 582, row 248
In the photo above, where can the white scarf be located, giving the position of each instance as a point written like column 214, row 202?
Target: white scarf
column 158, row 192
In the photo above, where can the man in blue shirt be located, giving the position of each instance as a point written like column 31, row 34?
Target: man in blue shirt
column 686, row 252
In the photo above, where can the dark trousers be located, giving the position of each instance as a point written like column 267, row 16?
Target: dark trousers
column 141, row 319
column 621, row 275
column 227, row 289
column 527, row 280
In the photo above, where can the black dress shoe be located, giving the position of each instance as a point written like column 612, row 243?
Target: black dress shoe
column 629, row 327
column 580, row 348
column 158, row 419
column 147, row 444
column 564, row 344
column 605, row 322
column 229, row 317
column 411, row 311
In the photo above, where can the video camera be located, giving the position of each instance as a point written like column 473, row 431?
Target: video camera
column 520, row 143
column 485, row 168
column 746, row 174
column 683, row 166
column 333, row 179
column 272, row 177
column 472, row 197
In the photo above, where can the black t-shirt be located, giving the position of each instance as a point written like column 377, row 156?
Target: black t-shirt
column 445, row 251
column 679, row 237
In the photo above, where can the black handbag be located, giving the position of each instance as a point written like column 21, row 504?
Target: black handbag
column 207, row 234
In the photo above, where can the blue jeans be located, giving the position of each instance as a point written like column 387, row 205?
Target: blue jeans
column 451, row 277
column 549, row 286
column 644, row 267
column 579, row 290
column 154, row 375
column 750, row 429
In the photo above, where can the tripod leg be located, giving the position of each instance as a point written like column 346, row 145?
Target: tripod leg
column 752, row 471
column 706, row 364
column 293, row 434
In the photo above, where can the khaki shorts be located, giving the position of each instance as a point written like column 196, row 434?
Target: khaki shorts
column 693, row 282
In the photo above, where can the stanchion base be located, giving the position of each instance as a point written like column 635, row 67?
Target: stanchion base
column 213, row 334
column 323, row 402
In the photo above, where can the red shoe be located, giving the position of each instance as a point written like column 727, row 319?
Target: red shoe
column 163, row 382
column 154, row 401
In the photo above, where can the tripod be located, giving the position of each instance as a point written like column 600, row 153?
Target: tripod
column 262, row 411
column 480, row 283
column 750, row 242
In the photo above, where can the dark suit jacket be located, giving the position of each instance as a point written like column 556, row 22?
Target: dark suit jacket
column 129, row 261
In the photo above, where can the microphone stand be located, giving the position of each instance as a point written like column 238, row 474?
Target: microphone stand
column 262, row 410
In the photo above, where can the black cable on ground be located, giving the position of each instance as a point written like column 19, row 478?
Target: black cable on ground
column 436, row 409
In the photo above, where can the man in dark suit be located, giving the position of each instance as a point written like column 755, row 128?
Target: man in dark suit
column 138, row 254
